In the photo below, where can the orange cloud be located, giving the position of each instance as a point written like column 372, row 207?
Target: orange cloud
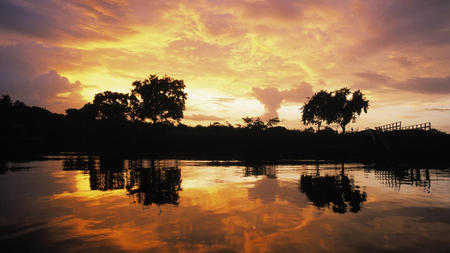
column 225, row 48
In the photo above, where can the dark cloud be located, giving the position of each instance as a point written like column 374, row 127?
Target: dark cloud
column 55, row 20
column 34, row 59
column 427, row 85
column 202, row 117
column 24, row 20
column 424, row 85
column 405, row 23
column 27, row 75
column 49, row 90
column 272, row 97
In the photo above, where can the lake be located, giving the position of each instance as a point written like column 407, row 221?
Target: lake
column 77, row 203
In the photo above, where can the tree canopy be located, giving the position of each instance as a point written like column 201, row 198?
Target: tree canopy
column 113, row 105
column 159, row 99
column 339, row 106
column 316, row 111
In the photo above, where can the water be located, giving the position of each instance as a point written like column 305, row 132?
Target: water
column 89, row 204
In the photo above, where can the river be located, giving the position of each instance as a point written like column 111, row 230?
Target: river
column 77, row 203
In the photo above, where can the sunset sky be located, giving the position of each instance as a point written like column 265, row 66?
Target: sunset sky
column 237, row 58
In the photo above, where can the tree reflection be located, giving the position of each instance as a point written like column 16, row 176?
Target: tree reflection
column 146, row 182
column 158, row 186
column 110, row 175
column 79, row 162
column 260, row 170
column 337, row 192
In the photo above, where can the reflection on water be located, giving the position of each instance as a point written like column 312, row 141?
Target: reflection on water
column 96, row 204
column 396, row 178
column 335, row 190
column 148, row 183
column 259, row 170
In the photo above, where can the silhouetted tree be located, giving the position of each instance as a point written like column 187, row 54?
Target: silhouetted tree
column 346, row 110
column 5, row 111
column 273, row 122
column 159, row 99
column 334, row 107
column 113, row 105
column 316, row 110
column 5, row 102
column 254, row 124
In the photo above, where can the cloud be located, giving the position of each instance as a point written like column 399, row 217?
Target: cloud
column 298, row 94
column 202, row 117
column 438, row 109
column 401, row 60
column 222, row 101
column 426, row 85
column 373, row 77
column 57, row 20
column 400, row 24
column 422, row 85
column 272, row 97
column 50, row 90
column 27, row 76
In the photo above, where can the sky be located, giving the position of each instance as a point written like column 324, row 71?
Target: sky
column 257, row 58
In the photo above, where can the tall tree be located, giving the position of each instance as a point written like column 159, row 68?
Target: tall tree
column 339, row 106
column 159, row 99
column 317, row 110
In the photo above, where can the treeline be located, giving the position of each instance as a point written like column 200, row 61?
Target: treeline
column 34, row 130
column 146, row 122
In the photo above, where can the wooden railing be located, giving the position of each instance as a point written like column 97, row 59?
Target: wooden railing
column 423, row 126
column 398, row 126
column 390, row 127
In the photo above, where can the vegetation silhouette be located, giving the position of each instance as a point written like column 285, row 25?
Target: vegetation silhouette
column 131, row 124
column 114, row 106
column 159, row 99
column 259, row 125
column 315, row 110
column 147, row 185
column 334, row 107
column 338, row 192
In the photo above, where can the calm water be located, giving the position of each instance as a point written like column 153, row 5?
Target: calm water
column 89, row 204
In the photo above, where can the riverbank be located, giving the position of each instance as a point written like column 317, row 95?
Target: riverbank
column 225, row 142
